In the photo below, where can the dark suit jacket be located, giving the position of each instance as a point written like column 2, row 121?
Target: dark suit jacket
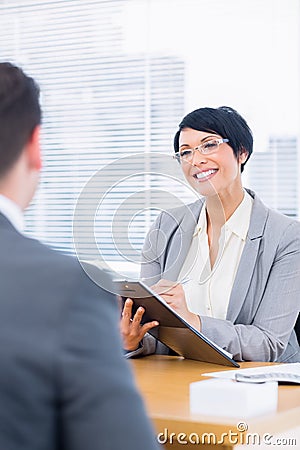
column 63, row 381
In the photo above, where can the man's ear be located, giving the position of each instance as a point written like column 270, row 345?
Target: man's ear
column 33, row 150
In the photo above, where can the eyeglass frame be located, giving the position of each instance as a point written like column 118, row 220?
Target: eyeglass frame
column 199, row 148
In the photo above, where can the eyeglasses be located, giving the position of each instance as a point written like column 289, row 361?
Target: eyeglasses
column 187, row 154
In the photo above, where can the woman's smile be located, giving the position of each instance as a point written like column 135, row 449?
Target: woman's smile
column 205, row 175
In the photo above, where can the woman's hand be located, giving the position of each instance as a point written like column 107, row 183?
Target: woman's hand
column 131, row 329
column 174, row 296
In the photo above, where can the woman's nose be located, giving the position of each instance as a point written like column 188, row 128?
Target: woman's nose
column 198, row 158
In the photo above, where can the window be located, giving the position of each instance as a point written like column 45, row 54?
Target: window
column 116, row 78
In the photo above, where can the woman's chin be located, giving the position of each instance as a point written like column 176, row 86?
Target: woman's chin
column 205, row 189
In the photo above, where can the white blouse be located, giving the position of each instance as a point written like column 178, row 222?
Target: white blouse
column 208, row 290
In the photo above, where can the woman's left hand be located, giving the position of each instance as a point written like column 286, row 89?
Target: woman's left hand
column 174, row 296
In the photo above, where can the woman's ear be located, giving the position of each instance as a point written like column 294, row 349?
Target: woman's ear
column 243, row 155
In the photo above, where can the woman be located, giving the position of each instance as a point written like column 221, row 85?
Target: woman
column 232, row 272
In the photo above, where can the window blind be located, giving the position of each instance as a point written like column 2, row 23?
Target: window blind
column 99, row 105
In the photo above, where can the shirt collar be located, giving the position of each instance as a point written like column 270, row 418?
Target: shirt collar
column 238, row 223
column 12, row 212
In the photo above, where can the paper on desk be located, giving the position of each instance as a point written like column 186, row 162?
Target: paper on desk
column 292, row 368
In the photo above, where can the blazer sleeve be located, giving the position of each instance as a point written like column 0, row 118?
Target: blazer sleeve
column 267, row 336
column 100, row 407
column 150, row 264
column 150, row 273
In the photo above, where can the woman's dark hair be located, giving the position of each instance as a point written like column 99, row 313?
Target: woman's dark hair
column 20, row 113
column 225, row 122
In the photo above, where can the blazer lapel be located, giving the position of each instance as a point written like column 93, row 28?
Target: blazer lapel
column 248, row 259
column 180, row 241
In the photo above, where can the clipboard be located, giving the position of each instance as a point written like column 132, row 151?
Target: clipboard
column 173, row 330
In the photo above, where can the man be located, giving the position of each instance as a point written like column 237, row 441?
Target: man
column 63, row 381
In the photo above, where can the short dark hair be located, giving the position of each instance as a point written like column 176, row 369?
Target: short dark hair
column 20, row 113
column 224, row 121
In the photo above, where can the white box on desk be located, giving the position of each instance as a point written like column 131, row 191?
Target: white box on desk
column 219, row 397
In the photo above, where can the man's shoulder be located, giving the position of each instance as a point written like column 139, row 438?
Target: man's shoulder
column 71, row 267
column 36, row 251
column 31, row 256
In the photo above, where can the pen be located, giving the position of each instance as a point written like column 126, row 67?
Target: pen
column 185, row 280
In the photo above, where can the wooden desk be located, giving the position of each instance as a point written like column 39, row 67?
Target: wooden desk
column 164, row 383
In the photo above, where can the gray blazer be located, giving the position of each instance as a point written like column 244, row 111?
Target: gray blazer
column 64, row 383
column 265, row 298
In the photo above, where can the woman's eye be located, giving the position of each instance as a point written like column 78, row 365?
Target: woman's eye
column 210, row 145
column 185, row 153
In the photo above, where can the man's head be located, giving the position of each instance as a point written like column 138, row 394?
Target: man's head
column 225, row 122
column 20, row 117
